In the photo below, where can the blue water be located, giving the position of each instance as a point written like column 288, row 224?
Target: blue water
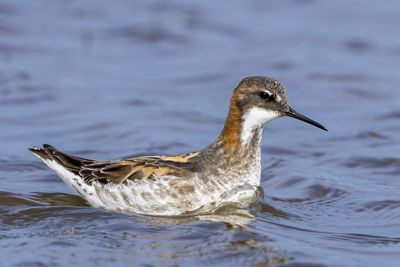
column 105, row 79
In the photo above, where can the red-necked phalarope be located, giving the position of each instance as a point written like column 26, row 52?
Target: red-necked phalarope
column 227, row 171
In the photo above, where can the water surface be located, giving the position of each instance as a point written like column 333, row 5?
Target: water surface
column 109, row 79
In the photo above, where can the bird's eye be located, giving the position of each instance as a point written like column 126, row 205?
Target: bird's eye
column 266, row 95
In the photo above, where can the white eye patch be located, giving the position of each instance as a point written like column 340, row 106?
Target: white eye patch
column 267, row 92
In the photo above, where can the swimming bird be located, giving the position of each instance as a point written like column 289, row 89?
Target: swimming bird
column 226, row 171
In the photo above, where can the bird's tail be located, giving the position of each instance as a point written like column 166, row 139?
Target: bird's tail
column 69, row 162
column 66, row 166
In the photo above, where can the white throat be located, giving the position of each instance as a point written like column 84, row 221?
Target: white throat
column 255, row 119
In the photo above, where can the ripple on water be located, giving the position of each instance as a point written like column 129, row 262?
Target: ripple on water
column 379, row 212
column 361, row 93
column 279, row 151
column 365, row 240
column 155, row 33
column 17, row 89
column 20, row 165
column 358, row 45
column 388, row 165
column 364, row 136
column 394, row 115
column 332, row 77
column 328, row 200
column 315, row 193
column 24, row 210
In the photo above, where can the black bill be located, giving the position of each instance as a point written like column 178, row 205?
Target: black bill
column 294, row 114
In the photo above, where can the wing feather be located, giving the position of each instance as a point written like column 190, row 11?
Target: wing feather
column 119, row 171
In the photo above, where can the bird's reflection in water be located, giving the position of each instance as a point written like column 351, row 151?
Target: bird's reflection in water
column 233, row 217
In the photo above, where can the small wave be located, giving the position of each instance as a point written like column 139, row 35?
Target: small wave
column 373, row 163
column 20, row 165
column 364, row 239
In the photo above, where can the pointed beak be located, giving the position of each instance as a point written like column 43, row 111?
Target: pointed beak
column 294, row 114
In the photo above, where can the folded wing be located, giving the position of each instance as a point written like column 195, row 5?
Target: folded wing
column 117, row 171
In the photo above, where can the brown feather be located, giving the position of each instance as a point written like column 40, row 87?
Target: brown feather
column 129, row 169
column 231, row 133
column 116, row 171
